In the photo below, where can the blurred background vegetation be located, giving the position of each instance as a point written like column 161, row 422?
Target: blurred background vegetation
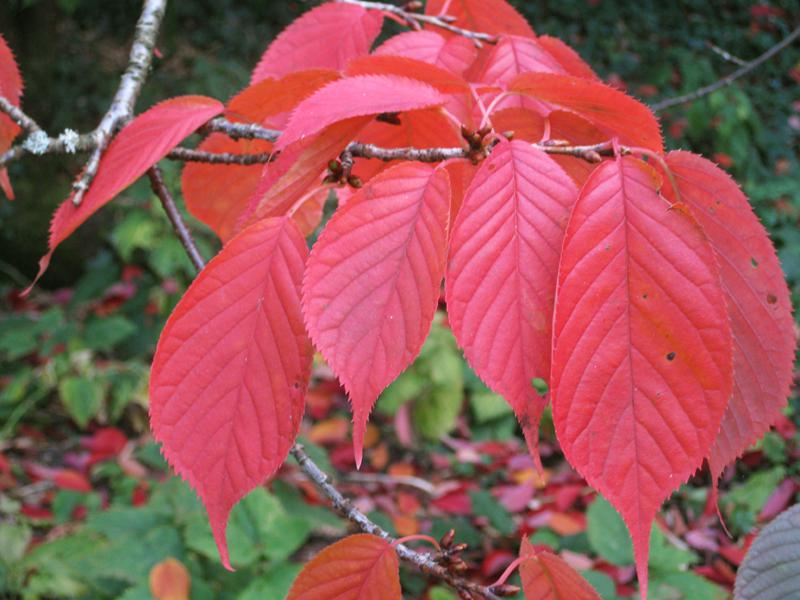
column 86, row 506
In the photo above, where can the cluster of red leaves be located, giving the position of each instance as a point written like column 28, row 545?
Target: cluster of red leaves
column 645, row 292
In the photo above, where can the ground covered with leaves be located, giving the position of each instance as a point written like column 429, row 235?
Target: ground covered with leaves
column 88, row 508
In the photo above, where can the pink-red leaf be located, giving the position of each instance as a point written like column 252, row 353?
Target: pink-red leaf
column 546, row 576
column 359, row 567
column 612, row 111
column 218, row 194
column 455, row 54
column 326, row 37
column 486, row 16
column 140, row 145
column 501, row 273
column 411, row 68
column 231, row 369
column 357, row 97
column 642, row 367
column 759, row 305
column 271, row 97
column 373, row 279
column 567, row 57
column 511, row 56
column 11, row 89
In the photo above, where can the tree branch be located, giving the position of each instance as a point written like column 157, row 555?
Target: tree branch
column 175, row 217
column 248, row 131
column 423, row 562
column 414, row 19
column 220, row 158
column 121, row 109
column 729, row 79
column 19, row 117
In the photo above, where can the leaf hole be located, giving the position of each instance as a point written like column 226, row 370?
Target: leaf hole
column 772, row 298
column 754, row 262
column 671, row 356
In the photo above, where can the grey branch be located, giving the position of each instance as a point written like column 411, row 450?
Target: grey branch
column 121, row 109
column 249, row 131
column 175, row 217
column 220, row 158
column 729, row 79
column 414, row 19
column 19, row 117
column 421, row 561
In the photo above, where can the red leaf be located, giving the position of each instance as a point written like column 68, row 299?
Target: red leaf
column 11, row 88
column 411, row 68
column 356, row 97
column 759, row 304
column 485, row 16
column 271, row 97
column 502, row 273
column 567, row 57
column 326, row 37
column 141, row 144
column 70, row 479
column 642, row 354
column 614, row 112
column 218, row 194
column 526, row 124
column 510, row 57
column 373, row 279
column 546, row 576
column 231, row 369
column 455, row 54
column 359, row 567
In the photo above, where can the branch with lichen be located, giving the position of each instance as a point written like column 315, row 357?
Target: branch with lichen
column 122, row 106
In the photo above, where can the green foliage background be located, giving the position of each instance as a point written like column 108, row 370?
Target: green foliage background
column 71, row 362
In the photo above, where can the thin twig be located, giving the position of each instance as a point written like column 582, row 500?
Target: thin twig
column 414, row 19
column 121, row 109
column 726, row 55
column 19, row 117
column 249, row 131
column 220, row 158
column 418, row 483
column 424, row 562
column 175, row 217
column 729, row 79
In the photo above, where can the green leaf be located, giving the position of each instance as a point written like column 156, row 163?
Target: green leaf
column 14, row 540
column 104, row 334
column 274, row 583
column 81, row 397
column 684, row 585
column 284, row 536
column 756, row 490
column 435, row 384
column 487, row 406
column 484, row 504
column 609, row 538
column 546, row 537
column 607, row 533
column 601, row 582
